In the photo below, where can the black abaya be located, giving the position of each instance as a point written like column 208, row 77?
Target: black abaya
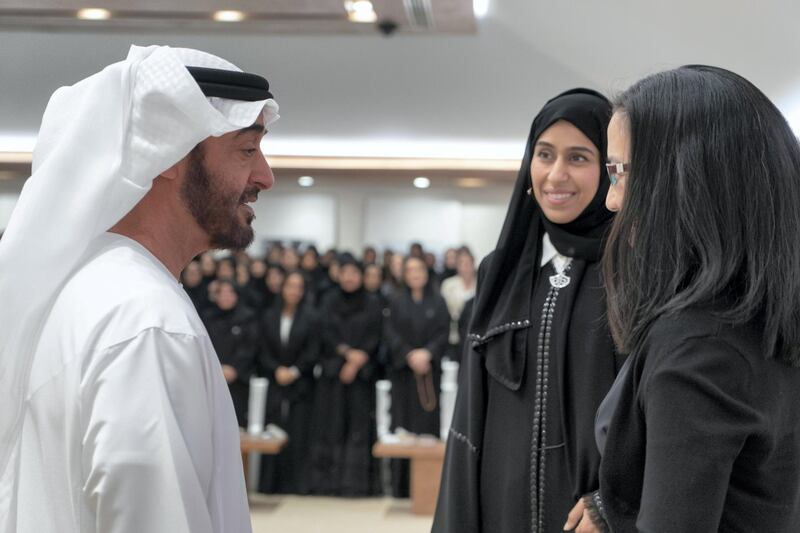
column 411, row 325
column 344, row 428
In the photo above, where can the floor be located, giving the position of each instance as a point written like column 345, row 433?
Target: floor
column 312, row 514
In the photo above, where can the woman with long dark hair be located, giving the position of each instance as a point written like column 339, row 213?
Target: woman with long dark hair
column 703, row 288
column 521, row 448
column 290, row 348
column 415, row 333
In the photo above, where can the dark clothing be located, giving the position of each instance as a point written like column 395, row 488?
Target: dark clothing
column 706, row 435
column 521, row 449
column 234, row 335
column 344, row 429
column 289, row 406
column 463, row 329
column 199, row 296
column 411, row 325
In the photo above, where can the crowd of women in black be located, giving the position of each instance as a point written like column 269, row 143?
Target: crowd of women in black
column 323, row 330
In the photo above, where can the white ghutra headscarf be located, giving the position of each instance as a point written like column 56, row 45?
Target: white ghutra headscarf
column 102, row 142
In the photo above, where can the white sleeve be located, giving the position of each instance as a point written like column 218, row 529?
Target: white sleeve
column 147, row 442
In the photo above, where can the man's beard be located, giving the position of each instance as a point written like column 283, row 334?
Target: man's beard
column 215, row 211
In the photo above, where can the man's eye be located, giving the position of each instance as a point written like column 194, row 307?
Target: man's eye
column 250, row 151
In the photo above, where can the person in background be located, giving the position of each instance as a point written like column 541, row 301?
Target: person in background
column 209, row 267
column 433, row 275
column 290, row 348
column 233, row 330
column 415, row 333
column 456, row 290
column 521, row 448
column 341, row 456
column 275, row 253
column 416, row 250
column 450, row 262
column 290, row 260
column 328, row 257
column 386, row 257
column 373, row 282
column 192, row 282
column 316, row 281
column 248, row 294
column 393, row 275
column 226, row 269
column 273, row 281
column 369, row 256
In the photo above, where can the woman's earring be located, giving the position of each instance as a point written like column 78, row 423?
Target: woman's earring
column 528, row 192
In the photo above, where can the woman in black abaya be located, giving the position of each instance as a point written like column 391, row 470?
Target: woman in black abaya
column 344, row 428
column 521, row 448
column 415, row 332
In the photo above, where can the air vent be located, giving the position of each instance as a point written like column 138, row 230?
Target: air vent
column 419, row 13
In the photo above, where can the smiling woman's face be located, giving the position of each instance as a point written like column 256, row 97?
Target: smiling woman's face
column 565, row 172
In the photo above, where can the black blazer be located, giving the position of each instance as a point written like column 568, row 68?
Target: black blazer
column 706, row 436
column 302, row 349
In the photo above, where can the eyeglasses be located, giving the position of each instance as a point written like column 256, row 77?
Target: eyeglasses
column 615, row 169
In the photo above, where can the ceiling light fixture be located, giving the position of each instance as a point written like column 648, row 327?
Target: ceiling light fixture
column 480, row 8
column 305, row 181
column 229, row 15
column 93, row 13
column 360, row 11
column 422, row 182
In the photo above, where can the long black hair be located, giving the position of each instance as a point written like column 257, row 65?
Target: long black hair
column 711, row 215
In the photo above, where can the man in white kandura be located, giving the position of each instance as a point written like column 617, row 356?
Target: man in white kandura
column 115, row 414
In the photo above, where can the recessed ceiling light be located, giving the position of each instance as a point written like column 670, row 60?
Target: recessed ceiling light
column 305, row 181
column 422, row 182
column 480, row 8
column 360, row 11
column 94, row 13
column 229, row 15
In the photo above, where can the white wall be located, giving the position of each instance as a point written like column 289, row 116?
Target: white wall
column 295, row 217
column 353, row 214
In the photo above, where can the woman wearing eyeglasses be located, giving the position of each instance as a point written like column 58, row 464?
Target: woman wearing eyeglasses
column 521, row 449
column 703, row 275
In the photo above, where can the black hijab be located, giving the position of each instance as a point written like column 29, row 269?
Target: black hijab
column 503, row 301
column 350, row 303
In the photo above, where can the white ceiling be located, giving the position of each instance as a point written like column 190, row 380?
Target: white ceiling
column 412, row 94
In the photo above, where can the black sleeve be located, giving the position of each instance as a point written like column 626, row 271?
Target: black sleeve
column 312, row 346
column 395, row 342
column 267, row 358
column 374, row 328
column 697, row 401
column 459, row 504
column 247, row 351
column 437, row 344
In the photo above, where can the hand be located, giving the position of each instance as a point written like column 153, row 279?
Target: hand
column 348, row 373
column 230, row 373
column 285, row 376
column 579, row 516
column 420, row 361
column 357, row 358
